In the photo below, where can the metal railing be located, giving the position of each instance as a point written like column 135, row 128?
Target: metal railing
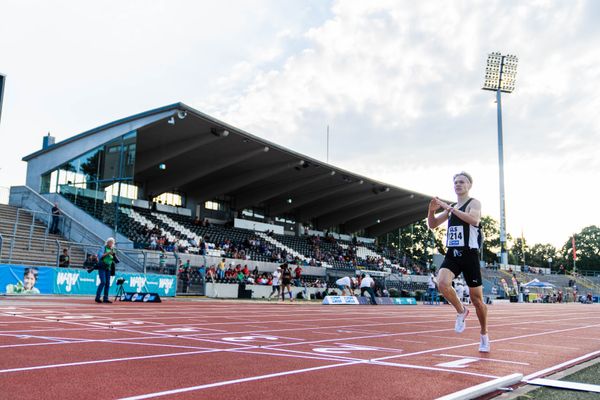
column 69, row 227
column 45, row 251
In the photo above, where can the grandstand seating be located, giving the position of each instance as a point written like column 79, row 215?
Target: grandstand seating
column 140, row 225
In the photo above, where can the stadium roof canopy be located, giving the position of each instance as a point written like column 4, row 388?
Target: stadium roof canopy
column 206, row 158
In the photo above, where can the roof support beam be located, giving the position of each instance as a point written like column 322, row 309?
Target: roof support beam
column 307, row 198
column 384, row 215
column 241, row 180
column 258, row 195
column 317, row 210
column 192, row 176
column 151, row 158
column 395, row 223
column 341, row 216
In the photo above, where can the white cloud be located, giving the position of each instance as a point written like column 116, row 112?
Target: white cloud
column 397, row 82
column 399, row 87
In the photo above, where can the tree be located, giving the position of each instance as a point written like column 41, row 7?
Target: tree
column 587, row 244
column 416, row 241
column 490, row 229
column 519, row 252
column 540, row 253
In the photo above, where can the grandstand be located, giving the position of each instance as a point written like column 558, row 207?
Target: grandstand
column 173, row 184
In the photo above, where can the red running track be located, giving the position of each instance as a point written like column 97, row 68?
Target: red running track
column 76, row 349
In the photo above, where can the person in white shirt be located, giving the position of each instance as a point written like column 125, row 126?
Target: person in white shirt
column 460, row 290
column 366, row 285
column 276, row 285
column 346, row 283
column 432, row 289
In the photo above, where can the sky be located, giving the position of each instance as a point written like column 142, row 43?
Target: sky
column 397, row 82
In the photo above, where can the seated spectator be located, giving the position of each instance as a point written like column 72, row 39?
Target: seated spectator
column 64, row 261
column 240, row 276
column 91, row 260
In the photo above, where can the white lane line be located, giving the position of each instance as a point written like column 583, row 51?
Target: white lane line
column 449, row 337
column 493, row 341
column 234, row 381
column 410, row 366
column 553, row 346
column 409, row 341
column 292, row 372
column 108, row 360
column 561, row 365
column 484, row 359
column 518, row 351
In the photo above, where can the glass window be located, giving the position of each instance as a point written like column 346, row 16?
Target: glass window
column 171, row 199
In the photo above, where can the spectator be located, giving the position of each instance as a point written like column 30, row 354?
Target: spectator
column 55, row 216
column 162, row 262
column 432, row 288
column 91, row 261
column 221, row 269
column 298, row 276
column 64, row 261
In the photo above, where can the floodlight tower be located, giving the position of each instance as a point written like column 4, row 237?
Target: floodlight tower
column 500, row 76
column 2, row 80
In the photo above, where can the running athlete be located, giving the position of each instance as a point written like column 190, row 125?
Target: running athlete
column 286, row 281
column 462, row 241
column 276, row 286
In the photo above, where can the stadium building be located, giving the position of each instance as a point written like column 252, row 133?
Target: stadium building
column 178, row 173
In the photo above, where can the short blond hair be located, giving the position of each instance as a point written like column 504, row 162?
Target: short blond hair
column 465, row 174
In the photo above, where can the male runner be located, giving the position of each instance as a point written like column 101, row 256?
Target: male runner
column 463, row 238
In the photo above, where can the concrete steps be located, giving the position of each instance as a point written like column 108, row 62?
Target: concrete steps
column 30, row 244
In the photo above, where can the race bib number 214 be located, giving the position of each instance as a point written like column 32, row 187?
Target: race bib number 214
column 456, row 236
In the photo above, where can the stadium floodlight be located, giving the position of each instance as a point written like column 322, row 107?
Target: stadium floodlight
column 2, row 80
column 500, row 73
column 500, row 76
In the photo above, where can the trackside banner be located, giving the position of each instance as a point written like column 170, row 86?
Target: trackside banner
column 15, row 279
column 336, row 300
column 18, row 279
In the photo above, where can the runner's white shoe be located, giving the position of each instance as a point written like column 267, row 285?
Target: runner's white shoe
column 484, row 344
column 461, row 323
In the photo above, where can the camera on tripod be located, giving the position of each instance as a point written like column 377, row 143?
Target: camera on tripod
column 120, row 290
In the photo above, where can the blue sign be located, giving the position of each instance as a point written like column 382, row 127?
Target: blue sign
column 396, row 300
column 78, row 281
column 329, row 300
column 18, row 279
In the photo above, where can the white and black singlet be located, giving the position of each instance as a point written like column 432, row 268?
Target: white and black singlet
column 462, row 241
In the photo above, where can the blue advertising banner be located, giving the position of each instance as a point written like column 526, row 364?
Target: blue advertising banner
column 18, row 279
column 79, row 281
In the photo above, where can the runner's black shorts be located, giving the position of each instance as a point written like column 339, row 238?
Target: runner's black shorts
column 465, row 261
column 286, row 282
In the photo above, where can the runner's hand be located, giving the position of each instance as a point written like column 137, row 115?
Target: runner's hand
column 433, row 206
column 442, row 204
